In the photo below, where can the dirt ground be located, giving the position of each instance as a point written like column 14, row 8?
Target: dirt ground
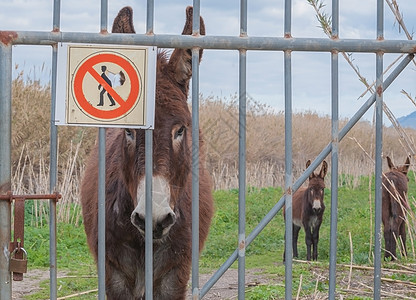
column 227, row 286
column 355, row 282
column 224, row 288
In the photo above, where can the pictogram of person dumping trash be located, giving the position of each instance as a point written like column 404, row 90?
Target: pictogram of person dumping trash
column 114, row 80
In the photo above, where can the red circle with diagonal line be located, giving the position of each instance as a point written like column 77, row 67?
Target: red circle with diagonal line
column 87, row 67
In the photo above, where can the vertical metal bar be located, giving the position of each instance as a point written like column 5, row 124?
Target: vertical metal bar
column 195, row 154
column 104, row 15
column 101, row 184
column 378, row 154
column 5, row 166
column 149, row 183
column 195, row 173
column 288, row 154
column 242, row 155
column 53, row 164
column 56, row 15
column 195, row 18
column 148, row 214
column 242, row 176
column 101, row 213
column 150, row 11
column 288, row 175
column 378, row 174
column 334, row 154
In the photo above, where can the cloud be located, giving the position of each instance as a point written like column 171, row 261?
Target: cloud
column 219, row 68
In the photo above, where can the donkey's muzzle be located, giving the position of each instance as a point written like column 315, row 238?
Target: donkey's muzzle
column 316, row 210
column 316, row 206
column 160, row 227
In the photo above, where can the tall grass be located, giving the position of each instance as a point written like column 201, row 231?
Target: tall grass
column 219, row 123
column 265, row 144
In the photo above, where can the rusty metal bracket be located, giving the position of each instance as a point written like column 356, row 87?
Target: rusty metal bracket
column 10, row 197
column 16, row 247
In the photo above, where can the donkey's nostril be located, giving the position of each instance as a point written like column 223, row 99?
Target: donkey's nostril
column 138, row 221
column 163, row 226
column 168, row 221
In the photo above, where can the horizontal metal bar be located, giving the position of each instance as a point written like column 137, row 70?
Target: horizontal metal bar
column 212, row 42
column 8, row 196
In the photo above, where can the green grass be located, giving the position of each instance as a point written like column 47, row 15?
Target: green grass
column 265, row 253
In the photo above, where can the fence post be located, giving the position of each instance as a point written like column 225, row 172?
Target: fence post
column 288, row 153
column 334, row 153
column 5, row 166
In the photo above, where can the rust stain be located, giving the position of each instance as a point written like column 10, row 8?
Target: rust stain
column 6, row 37
column 379, row 90
column 288, row 35
column 104, row 31
column 242, row 245
column 289, row 191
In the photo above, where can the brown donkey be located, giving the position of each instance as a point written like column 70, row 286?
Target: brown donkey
column 172, row 187
column 307, row 211
column 394, row 207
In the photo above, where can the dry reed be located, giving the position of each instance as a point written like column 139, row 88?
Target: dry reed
column 218, row 121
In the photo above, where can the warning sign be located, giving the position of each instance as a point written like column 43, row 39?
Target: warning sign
column 106, row 86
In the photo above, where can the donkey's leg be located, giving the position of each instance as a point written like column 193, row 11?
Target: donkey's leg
column 391, row 233
column 315, row 240
column 395, row 238
column 402, row 232
column 387, row 241
column 308, row 241
column 118, row 286
column 296, row 230
column 173, row 285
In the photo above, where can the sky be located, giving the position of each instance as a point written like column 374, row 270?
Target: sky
column 311, row 81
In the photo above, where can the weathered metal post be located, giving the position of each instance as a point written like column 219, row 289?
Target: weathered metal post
column 5, row 165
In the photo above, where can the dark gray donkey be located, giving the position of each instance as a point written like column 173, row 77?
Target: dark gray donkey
column 394, row 207
column 307, row 211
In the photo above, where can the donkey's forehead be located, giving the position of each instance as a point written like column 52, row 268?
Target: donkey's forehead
column 172, row 111
column 317, row 182
column 171, row 101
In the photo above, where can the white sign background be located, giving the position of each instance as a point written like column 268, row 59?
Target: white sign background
column 68, row 109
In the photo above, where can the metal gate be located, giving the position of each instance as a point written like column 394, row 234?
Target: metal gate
column 243, row 43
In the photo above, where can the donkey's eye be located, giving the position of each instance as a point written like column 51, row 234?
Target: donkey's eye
column 128, row 132
column 179, row 132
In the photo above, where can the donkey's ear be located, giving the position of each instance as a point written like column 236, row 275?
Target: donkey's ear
column 123, row 23
column 324, row 169
column 390, row 163
column 180, row 63
column 406, row 165
column 308, row 163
